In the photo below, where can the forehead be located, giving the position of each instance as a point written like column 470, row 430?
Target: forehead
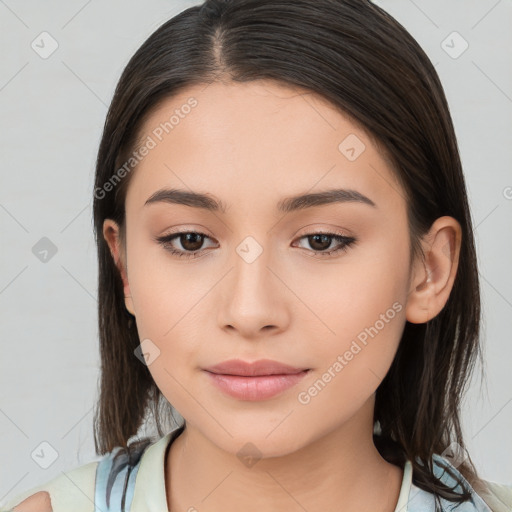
column 252, row 140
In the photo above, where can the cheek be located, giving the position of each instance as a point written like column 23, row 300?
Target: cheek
column 169, row 300
column 346, row 297
column 163, row 291
column 353, row 363
column 361, row 314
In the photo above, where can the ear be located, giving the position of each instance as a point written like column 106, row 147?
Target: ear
column 111, row 235
column 432, row 279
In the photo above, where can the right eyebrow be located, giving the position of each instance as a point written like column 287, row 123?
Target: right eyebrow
column 187, row 198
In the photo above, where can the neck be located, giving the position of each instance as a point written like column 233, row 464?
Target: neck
column 341, row 470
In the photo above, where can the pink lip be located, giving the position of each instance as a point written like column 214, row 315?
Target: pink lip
column 254, row 381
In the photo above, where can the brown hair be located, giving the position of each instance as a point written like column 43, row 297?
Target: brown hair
column 363, row 61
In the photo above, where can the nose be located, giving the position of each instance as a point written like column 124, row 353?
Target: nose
column 253, row 298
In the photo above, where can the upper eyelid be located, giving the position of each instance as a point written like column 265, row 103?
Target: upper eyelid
column 312, row 231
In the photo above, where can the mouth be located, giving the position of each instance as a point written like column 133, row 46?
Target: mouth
column 260, row 380
column 258, row 368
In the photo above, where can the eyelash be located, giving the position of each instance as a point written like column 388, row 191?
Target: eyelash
column 165, row 241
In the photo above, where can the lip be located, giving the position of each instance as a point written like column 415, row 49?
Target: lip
column 259, row 380
column 254, row 369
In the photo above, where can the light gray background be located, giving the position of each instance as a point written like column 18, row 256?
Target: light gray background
column 52, row 114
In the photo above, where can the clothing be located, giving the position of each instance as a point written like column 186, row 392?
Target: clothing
column 88, row 489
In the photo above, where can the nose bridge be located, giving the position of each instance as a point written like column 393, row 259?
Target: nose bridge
column 252, row 299
column 251, row 276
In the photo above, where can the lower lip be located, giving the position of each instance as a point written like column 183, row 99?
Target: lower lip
column 255, row 388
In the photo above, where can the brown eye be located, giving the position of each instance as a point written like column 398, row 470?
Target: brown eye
column 320, row 243
column 191, row 243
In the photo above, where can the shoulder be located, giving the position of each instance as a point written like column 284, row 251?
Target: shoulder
column 497, row 496
column 71, row 490
column 80, row 488
column 38, row 502
column 487, row 495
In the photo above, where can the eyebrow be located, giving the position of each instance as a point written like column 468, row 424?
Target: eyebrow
column 286, row 205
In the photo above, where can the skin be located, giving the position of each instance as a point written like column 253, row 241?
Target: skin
column 251, row 145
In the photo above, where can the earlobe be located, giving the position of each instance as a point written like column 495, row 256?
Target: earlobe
column 432, row 279
column 111, row 235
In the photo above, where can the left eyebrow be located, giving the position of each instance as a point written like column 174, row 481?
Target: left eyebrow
column 288, row 204
column 338, row 195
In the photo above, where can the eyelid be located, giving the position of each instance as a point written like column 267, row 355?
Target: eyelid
column 198, row 228
column 344, row 243
column 321, row 231
column 326, row 228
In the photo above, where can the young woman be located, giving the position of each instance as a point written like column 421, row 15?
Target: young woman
column 286, row 256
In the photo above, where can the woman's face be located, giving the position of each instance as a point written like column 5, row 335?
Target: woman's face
column 260, row 285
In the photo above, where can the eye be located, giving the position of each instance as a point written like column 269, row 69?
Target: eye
column 321, row 242
column 191, row 241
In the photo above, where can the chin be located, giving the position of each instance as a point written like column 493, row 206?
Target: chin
column 256, row 443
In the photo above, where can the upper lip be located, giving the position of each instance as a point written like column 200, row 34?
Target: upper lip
column 260, row 367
